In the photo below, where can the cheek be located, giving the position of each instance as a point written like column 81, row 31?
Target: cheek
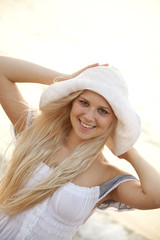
column 105, row 122
column 76, row 110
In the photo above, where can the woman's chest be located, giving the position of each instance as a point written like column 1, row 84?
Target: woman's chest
column 72, row 203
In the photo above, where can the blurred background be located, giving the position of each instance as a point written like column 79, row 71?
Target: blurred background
column 69, row 34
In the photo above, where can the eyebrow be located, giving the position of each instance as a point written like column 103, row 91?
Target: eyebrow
column 105, row 107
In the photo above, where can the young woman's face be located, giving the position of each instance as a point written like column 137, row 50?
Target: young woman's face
column 91, row 115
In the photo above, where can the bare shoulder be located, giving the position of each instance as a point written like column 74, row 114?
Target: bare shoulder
column 109, row 171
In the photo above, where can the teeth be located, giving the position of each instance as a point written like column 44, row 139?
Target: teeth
column 86, row 126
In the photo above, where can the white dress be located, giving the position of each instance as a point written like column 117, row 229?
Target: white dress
column 59, row 217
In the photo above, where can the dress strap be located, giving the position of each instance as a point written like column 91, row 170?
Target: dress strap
column 109, row 186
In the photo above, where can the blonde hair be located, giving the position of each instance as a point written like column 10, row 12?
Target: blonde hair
column 37, row 144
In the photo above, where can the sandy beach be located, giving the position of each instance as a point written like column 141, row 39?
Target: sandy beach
column 66, row 35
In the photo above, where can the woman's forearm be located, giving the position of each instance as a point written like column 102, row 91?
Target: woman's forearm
column 17, row 70
column 148, row 175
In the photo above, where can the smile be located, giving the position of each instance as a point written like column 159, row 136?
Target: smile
column 86, row 126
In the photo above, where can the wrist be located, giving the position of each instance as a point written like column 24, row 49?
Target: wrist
column 127, row 155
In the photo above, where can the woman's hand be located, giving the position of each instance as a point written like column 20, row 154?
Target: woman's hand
column 85, row 68
column 63, row 77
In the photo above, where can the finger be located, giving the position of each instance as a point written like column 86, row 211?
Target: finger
column 105, row 64
column 90, row 66
column 94, row 65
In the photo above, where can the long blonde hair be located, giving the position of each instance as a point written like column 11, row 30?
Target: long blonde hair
column 35, row 145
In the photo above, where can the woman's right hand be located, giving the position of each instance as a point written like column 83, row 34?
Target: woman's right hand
column 63, row 77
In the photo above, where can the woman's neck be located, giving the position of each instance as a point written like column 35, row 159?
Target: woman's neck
column 72, row 142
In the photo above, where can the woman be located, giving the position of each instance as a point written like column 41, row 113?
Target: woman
column 57, row 175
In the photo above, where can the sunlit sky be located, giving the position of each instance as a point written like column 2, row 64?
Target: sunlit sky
column 72, row 33
column 69, row 34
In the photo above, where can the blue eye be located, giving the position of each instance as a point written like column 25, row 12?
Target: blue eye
column 84, row 102
column 101, row 110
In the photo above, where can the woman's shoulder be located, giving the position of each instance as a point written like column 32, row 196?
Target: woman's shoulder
column 108, row 170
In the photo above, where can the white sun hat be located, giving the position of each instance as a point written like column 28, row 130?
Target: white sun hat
column 108, row 82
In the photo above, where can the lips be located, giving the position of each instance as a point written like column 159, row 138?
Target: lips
column 86, row 126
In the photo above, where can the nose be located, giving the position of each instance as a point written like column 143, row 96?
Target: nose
column 89, row 115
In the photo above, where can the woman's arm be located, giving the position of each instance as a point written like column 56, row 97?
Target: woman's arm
column 145, row 195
